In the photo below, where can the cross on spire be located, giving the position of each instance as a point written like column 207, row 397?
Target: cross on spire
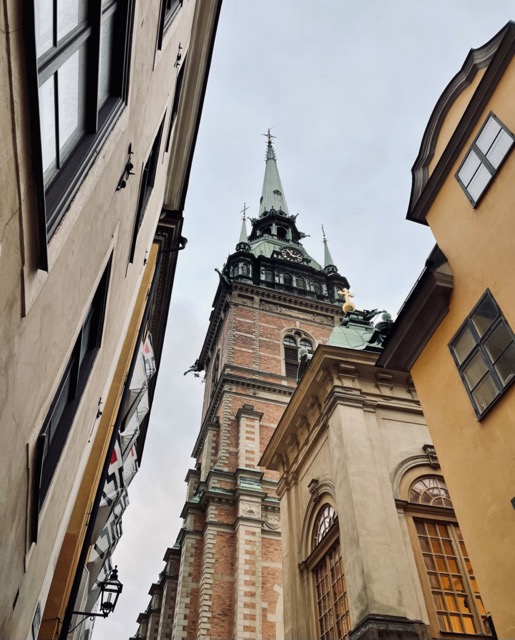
column 244, row 211
column 269, row 135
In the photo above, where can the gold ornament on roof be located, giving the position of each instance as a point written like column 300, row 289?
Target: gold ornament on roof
column 348, row 305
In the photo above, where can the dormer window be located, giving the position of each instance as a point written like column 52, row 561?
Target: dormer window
column 277, row 192
column 484, row 158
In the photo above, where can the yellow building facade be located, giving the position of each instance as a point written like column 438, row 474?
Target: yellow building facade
column 454, row 333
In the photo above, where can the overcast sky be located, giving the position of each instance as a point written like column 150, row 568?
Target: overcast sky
column 348, row 88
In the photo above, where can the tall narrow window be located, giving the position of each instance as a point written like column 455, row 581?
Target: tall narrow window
column 329, row 579
column 484, row 352
column 484, row 158
column 59, row 420
column 169, row 9
column 454, row 600
column 147, row 184
column 81, row 57
column 291, row 345
column 175, row 105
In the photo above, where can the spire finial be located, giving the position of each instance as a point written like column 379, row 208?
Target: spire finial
column 269, row 135
column 329, row 266
column 244, row 211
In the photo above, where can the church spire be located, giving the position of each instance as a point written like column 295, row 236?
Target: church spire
column 329, row 266
column 272, row 195
column 243, row 244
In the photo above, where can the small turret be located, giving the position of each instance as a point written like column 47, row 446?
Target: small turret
column 243, row 244
column 329, row 266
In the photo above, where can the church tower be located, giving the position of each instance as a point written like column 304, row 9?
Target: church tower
column 223, row 577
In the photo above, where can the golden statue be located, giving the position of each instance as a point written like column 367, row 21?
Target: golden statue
column 348, row 305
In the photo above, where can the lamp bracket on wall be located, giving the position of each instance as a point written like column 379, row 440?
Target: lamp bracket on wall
column 128, row 171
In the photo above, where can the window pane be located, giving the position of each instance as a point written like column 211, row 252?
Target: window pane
column 497, row 341
column 47, row 118
column 484, row 315
column 505, row 366
column 44, row 10
column 464, row 344
column 479, row 182
column 60, row 406
column 500, row 148
column 70, row 13
column 71, row 89
column 106, row 47
column 488, row 135
column 469, row 168
column 475, row 370
column 485, row 392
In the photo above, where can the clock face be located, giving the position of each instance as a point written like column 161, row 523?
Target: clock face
column 292, row 254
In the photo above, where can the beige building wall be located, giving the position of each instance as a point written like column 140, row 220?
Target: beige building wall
column 44, row 310
column 354, row 437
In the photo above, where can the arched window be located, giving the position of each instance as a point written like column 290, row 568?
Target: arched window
column 330, row 588
column 317, row 287
column 287, row 279
column 448, row 581
column 269, row 275
column 245, row 269
column 291, row 344
column 300, row 282
column 281, row 233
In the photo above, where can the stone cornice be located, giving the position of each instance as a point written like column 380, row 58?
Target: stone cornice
column 421, row 314
column 331, row 380
column 223, row 298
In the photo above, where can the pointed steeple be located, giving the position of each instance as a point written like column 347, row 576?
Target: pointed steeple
column 243, row 244
column 272, row 195
column 329, row 266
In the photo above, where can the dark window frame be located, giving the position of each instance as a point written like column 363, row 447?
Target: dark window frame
column 291, row 353
column 484, row 161
column 55, row 193
column 59, row 420
column 147, row 182
column 175, row 104
column 321, row 561
column 479, row 348
column 169, row 10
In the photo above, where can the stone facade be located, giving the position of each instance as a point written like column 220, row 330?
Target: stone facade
column 352, row 441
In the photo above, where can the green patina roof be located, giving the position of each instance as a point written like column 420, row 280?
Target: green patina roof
column 272, row 194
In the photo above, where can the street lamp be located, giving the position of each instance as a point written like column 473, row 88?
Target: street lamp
column 110, row 590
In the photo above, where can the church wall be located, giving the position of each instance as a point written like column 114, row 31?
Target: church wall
column 349, row 460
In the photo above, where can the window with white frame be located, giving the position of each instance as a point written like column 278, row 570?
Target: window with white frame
column 484, row 352
column 484, row 158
